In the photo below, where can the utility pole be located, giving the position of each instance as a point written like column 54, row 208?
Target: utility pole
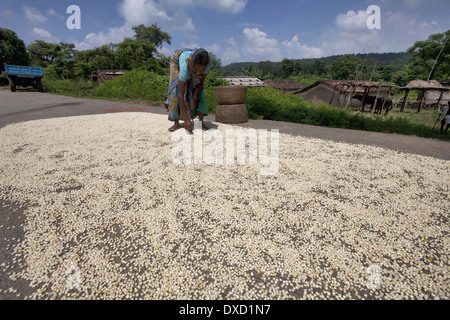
column 435, row 62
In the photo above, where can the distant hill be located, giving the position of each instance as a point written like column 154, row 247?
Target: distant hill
column 394, row 59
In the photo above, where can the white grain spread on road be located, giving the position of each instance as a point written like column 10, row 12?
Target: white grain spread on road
column 108, row 215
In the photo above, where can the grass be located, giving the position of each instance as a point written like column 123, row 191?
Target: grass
column 77, row 88
column 425, row 116
column 271, row 104
column 262, row 103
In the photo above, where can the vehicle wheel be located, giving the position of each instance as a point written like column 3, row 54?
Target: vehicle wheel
column 40, row 86
column 12, row 85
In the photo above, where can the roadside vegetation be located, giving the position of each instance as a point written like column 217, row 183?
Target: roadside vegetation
column 271, row 104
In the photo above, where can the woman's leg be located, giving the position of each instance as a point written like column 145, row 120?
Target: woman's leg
column 172, row 103
column 175, row 127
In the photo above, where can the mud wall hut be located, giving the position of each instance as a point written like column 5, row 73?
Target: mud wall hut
column 101, row 76
column 340, row 92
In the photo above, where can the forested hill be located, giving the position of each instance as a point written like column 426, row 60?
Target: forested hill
column 394, row 59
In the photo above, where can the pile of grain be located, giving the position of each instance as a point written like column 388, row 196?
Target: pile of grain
column 109, row 215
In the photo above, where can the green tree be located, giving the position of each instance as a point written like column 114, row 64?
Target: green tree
column 59, row 56
column 345, row 67
column 43, row 52
column 12, row 49
column 260, row 74
column 431, row 57
column 152, row 34
column 289, row 67
column 319, row 68
column 141, row 51
column 136, row 54
column 66, row 61
column 100, row 58
column 387, row 72
column 216, row 63
column 401, row 77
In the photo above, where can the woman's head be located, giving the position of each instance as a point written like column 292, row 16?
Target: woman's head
column 201, row 61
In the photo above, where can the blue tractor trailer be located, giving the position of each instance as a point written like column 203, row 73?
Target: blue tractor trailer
column 24, row 77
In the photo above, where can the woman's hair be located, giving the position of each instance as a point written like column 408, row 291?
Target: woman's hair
column 202, row 58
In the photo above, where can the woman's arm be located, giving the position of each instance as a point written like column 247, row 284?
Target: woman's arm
column 198, row 89
column 183, row 107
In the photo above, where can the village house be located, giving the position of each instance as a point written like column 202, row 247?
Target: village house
column 287, row 86
column 432, row 94
column 101, row 76
column 339, row 92
column 245, row 81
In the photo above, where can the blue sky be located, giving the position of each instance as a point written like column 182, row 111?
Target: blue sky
column 236, row 30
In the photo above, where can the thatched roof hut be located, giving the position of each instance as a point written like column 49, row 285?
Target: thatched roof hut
column 430, row 91
column 287, row 86
column 422, row 85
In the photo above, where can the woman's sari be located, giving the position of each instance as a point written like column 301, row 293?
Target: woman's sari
column 171, row 103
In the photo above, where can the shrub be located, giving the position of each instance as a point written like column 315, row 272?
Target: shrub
column 139, row 84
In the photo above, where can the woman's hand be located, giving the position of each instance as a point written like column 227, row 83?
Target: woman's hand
column 188, row 125
column 193, row 105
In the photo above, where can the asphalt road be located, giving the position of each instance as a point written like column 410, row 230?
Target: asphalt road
column 26, row 105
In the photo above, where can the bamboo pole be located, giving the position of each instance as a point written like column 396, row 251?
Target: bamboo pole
column 435, row 62
column 373, row 71
column 405, row 100
column 421, row 102
column 438, row 106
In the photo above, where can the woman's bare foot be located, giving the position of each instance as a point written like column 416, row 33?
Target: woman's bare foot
column 175, row 127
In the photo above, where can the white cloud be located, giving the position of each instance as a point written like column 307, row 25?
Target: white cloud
column 53, row 13
column 352, row 21
column 147, row 12
column 34, row 16
column 166, row 51
column 189, row 26
column 293, row 49
column 231, row 53
column 399, row 31
column 45, row 35
column 141, row 12
column 257, row 45
column 113, row 35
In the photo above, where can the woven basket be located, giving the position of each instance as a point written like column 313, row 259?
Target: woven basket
column 230, row 95
column 232, row 114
